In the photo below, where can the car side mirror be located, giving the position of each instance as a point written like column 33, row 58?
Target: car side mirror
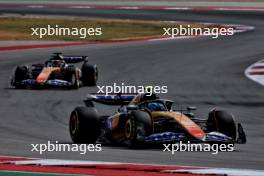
column 132, row 107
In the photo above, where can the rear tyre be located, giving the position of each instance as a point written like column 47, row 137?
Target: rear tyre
column 85, row 126
column 137, row 126
column 89, row 74
column 21, row 73
column 223, row 122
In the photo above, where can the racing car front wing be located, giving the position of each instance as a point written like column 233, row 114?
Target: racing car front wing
column 211, row 137
column 48, row 83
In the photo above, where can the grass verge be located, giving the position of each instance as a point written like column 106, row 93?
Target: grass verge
column 19, row 28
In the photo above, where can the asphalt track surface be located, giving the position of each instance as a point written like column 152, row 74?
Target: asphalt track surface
column 204, row 72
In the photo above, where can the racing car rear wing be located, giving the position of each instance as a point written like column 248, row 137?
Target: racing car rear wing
column 75, row 59
column 69, row 59
column 113, row 99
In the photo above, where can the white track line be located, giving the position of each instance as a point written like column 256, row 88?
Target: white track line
column 58, row 162
column 222, row 171
column 192, row 170
column 81, row 7
column 129, row 7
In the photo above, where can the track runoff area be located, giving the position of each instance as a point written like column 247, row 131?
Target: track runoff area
column 255, row 72
column 49, row 167
column 36, row 166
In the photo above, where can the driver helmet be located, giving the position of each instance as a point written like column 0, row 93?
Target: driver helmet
column 155, row 106
column 57, row 63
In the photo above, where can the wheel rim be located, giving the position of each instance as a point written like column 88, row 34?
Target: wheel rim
column 95, row 74
column 74, row 124
column 128, row 129
column 73, row 79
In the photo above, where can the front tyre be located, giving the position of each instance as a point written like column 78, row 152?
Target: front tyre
column 138, row 125
column 72, row 76
column 223, row 122
column 74, row 80
column 21, row 73
column 85, row 126
column 89, row 74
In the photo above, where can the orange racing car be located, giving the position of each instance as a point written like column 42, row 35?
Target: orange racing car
column 143, row 119
column 58, row 71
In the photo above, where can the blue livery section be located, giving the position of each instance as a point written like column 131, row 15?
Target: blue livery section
column 74, row 59
column 172, row 136
column 217, row 137
column 54, row 82
column 27, row 82
column 58, row 82
column 117, row 99
column 164, row 137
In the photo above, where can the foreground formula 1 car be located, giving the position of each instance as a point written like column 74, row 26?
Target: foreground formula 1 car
column 58, row 71
column 143, row 119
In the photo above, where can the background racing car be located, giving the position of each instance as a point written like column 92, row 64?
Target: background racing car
column 143, row 119
column 58, row 71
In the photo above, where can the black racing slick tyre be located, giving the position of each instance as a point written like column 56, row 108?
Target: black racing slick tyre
column 72, row 76
column 138, row 125
column 89, row 74
column 85, row 126
column 223, row 122
column 21, row 73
